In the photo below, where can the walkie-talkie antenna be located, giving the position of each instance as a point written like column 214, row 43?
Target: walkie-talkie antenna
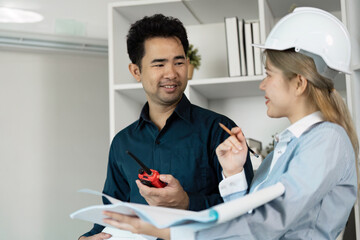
column 142, row 165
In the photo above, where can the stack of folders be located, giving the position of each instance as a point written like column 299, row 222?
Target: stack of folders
column 243, row 59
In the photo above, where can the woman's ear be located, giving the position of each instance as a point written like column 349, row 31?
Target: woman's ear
column 135, row 71
column 301, row 84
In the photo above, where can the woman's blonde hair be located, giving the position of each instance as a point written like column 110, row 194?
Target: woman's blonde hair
column 320, row 90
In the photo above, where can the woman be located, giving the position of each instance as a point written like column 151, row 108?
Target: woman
column 314, row 158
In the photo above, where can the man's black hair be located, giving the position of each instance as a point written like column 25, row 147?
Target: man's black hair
column 157, row 25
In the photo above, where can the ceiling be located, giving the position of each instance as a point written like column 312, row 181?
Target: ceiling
column 80, row 18
column 88, row 18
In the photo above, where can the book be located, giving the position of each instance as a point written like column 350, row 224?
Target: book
column 163, row 217
column 232, row 43
column 257, row 51
column 242, row 47
column 249, row 49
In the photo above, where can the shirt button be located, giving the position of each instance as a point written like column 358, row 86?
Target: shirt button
column 279, row 152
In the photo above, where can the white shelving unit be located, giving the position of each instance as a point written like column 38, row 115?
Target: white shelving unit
column 237, row 97
column 127, row 96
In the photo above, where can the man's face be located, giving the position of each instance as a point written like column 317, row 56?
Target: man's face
column 163, row 71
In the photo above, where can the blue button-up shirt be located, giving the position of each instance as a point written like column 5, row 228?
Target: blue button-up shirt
column 184, row 148
column 319, row 175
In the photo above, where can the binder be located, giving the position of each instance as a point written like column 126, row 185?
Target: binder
column 232, row 43
column 249, row 49
column 242, row 47
column 257, row 51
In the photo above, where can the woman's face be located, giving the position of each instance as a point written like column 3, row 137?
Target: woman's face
column 279, row 93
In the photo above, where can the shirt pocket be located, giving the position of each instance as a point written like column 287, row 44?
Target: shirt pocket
column 191, row 168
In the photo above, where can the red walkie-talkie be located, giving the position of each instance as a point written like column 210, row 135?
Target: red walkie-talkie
column 147, row 176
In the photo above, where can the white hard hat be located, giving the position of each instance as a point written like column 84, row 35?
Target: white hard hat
column 315, row 33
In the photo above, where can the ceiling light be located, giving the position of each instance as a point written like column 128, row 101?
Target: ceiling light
column 12, row 15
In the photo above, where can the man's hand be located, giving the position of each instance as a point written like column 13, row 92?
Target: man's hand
column 99, row 236
column 173, row 195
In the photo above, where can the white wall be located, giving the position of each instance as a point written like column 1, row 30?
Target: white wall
column 53, row 141
column 249, row 113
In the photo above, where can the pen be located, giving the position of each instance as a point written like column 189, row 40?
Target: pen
column 231, row 134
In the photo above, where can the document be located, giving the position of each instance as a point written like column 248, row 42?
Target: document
column 163, row 217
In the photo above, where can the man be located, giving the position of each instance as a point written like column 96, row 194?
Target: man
column 171, row 136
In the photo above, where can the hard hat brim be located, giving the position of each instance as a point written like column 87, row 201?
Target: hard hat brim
column 262, row 46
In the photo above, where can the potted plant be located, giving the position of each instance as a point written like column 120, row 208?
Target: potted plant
column 194, row 58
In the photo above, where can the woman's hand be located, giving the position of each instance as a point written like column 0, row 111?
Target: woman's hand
column 232, row 153
column 135, row 225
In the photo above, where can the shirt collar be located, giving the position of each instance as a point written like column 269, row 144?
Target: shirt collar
column 182, row 110
column 299, row 127
column 144, row 115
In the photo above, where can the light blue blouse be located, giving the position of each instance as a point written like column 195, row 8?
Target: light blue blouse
column 319, row 175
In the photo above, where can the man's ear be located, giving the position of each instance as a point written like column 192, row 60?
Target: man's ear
column 301, row 84
column 135, row 71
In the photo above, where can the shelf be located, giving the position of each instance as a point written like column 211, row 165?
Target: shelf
column 220, row 88
column 216, row 88
column 133, row 91
column 356, row 67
